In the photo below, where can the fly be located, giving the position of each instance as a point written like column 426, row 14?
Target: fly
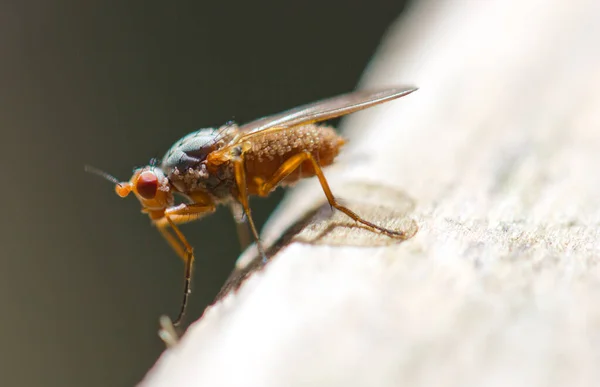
column 211, row 166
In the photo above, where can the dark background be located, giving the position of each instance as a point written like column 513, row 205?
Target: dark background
column 83, row 276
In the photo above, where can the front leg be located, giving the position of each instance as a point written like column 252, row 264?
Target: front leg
column 172, row 216
column 180, row 214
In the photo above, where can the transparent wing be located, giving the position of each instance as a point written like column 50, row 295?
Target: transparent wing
column 326, row 109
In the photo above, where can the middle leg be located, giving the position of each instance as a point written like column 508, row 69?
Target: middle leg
column 240, row 179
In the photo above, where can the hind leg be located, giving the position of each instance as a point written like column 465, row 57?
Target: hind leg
column 294, row 163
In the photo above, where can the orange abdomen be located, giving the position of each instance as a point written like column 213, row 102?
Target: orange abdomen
column 270, row 151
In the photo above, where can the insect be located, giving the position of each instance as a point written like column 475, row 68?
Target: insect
column 212, row 166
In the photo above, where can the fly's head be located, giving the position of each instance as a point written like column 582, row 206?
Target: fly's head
column 150, row 185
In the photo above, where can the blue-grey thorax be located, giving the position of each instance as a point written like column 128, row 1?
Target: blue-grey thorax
column 185, row 162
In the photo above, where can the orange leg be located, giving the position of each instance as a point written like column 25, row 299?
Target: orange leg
column 180, row 214
column 240, row 179
column 295, row 162
column 173, row 241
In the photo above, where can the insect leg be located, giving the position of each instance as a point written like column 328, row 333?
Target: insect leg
column 163, row 226
column 173, row 241
column 240, row 179
column 182, row 213
column 295, row 162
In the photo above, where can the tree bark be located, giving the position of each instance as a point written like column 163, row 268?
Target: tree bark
column 495, row 162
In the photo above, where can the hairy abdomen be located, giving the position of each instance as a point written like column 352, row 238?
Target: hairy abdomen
column 271, row 150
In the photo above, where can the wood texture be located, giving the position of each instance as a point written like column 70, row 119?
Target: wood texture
column 496, row 159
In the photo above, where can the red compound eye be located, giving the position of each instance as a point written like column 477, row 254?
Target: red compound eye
column 147, row 185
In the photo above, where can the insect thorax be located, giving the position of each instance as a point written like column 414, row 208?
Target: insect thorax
column 185, row 162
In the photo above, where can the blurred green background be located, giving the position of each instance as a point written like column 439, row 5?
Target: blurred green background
column 83, row 276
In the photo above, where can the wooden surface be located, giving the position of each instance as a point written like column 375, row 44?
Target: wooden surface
column 497, row 160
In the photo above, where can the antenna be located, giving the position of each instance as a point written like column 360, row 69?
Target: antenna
column 106, row 175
